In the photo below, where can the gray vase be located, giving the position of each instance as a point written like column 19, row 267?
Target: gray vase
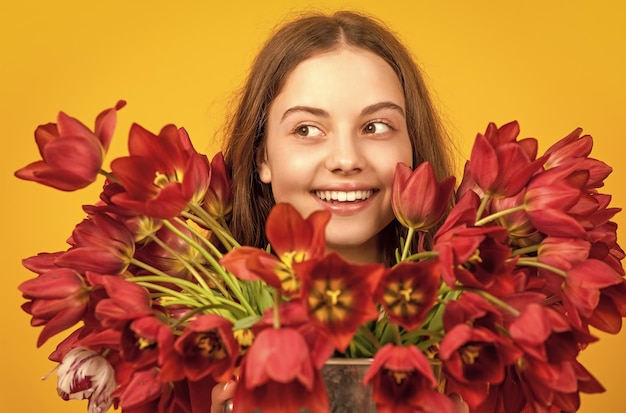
column 344, row 383
column 346, row 391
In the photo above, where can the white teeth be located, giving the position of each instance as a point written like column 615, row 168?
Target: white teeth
column 342, row 196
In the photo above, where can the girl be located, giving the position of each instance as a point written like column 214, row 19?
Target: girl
column 331, row 105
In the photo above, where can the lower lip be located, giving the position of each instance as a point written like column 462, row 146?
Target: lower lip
column 346, row 208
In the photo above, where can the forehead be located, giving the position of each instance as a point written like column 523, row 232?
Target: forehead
column 341, row 76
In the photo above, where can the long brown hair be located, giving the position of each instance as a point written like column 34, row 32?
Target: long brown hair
column 295, row 42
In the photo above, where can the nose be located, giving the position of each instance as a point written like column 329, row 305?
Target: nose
column 345, row 154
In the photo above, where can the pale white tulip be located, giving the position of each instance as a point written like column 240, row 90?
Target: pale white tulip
column 85, row 374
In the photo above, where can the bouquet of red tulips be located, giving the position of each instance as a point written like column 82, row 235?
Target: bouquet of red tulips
column 158, row 302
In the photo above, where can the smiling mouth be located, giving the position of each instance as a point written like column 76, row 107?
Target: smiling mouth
column 344, row 196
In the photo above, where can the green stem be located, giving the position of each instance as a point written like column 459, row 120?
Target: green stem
column 525, row 250
column 214, row 250
column 499, row 214
column 202, row 252
column 168, row 291
column 220, row 231
column 407, row 243
column 216, row 301
column 176, row 255
column 229, row 279
column 371, row 337
column 396, row 333
column 423, row 332
column 108, row 175
column 195, row 311
column 276, row 308
column 212, row 226
column 205, row 296
column 420, row 255
column 494, row 300
column 533, row 262
column 481, row 208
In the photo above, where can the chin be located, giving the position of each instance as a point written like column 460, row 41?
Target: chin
column 350, row 241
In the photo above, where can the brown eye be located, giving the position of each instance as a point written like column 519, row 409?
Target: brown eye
column 306, row 131
column 376, row 127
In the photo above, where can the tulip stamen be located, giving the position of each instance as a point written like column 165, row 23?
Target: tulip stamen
column 143, row 343
column 210, row 345
column 470, row 353
column 334, row 296
column 288, row 280
column 399, row 376
column 406, row 294
column 160, row 179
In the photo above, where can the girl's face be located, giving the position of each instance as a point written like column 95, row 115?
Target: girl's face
column 334, row 135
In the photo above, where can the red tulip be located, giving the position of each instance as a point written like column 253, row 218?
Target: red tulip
column 572, row 153
column 291, row 235
column 58, row 300
column 293, row 239
column 408, row 292
column 611, row 308
column 278, row 375
column 147, row 341
column 418, row 200
column 176, row 258
column 162, row 174
column 144, row 392
column 499, row 164
column 403, row 381
column 548, row 369
column 547, row 204
column 124, row 300
column 219, row 197
column 571, row 146
column 583, row 283
column 100, row 244
column 563, row 253
column 474, row 350
column 72, row 154
column 207, row 347
column 339, row 296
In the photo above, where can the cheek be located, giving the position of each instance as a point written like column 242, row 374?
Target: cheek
column 387, row 158
column 290, row 174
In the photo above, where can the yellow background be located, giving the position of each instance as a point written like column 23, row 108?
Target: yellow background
column 552, row 65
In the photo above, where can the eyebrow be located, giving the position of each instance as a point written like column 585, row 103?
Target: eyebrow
column 368, row 110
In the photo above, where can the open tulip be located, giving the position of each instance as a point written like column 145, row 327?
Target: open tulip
column 403, row 382
column 208, row 347
column 500, row 300
column 408, row 292
column 339, row 296
column 499, row 164
column 293, row 238
column 162, row 174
